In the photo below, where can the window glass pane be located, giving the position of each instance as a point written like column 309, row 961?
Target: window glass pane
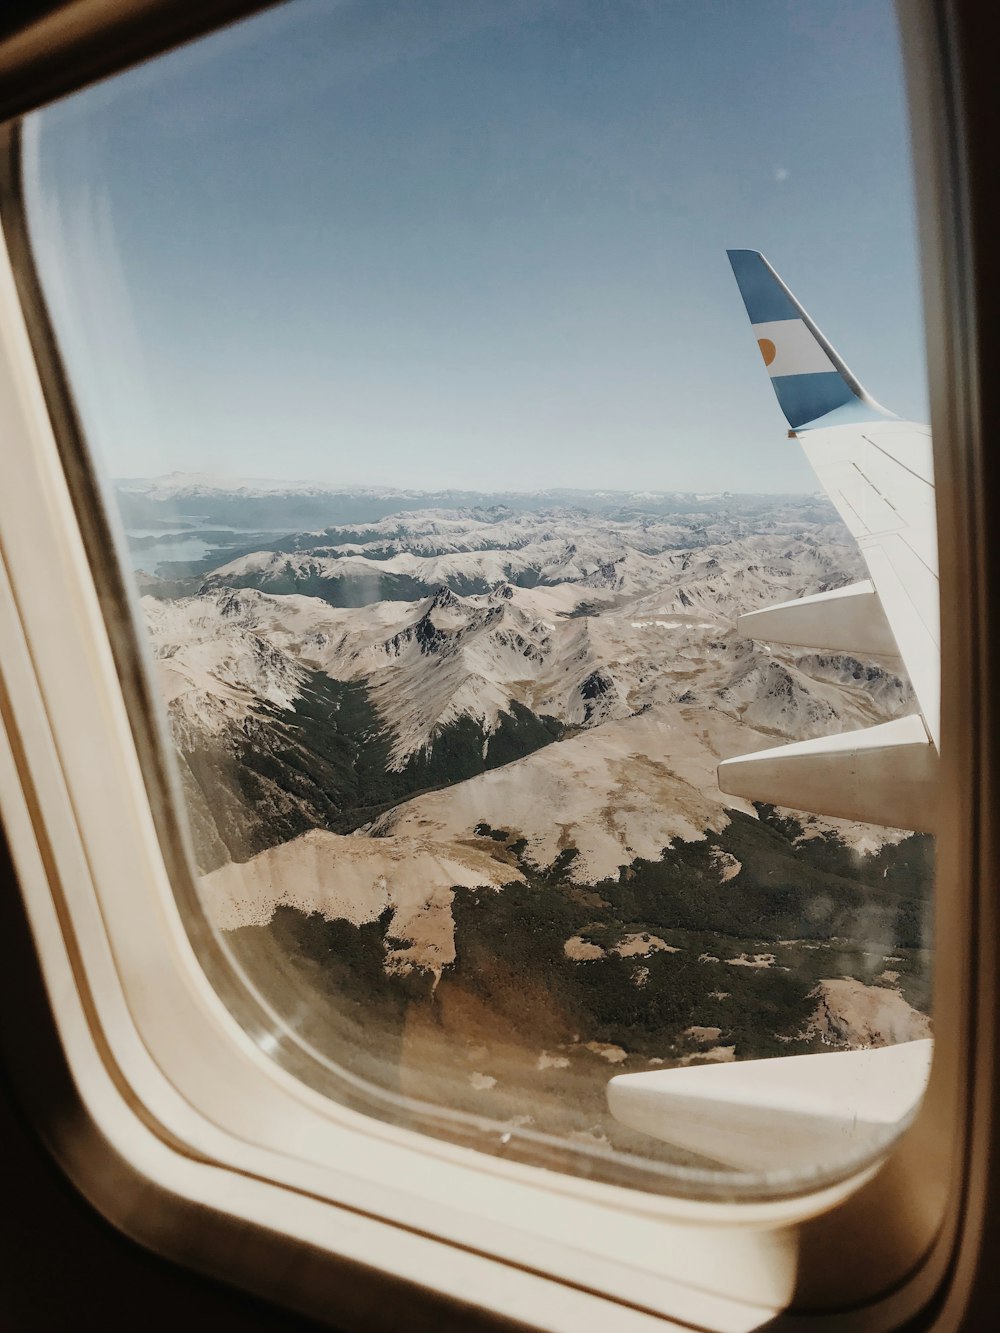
column 407, row 338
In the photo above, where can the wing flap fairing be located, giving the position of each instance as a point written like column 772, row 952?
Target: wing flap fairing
column 880, row 775
column 849, row 620
column 785, row 1113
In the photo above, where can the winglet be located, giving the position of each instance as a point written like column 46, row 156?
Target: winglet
column 812, row 384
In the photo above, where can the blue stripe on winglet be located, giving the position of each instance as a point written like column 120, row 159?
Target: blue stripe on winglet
column 854, row 412
column 803, row 398
column 764, row 298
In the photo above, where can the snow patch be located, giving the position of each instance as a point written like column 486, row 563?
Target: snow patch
column 615, row 1055
column 850, row 1015
column 580, row 950
column 642, row 945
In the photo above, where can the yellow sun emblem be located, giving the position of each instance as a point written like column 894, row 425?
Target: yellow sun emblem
column 767, row 350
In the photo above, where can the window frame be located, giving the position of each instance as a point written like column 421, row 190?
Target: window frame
column 177, row 1106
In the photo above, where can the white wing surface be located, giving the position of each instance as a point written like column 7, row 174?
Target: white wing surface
column 880, row 478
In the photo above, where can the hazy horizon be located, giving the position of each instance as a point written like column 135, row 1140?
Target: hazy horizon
column 234, row 479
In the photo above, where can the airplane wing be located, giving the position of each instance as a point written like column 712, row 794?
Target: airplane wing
column 795, row 1112
column 878, row 472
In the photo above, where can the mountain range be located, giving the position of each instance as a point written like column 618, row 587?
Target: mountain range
column 455, row 758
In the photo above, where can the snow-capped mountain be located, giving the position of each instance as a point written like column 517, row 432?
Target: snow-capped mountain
column 188, row 501
column 598, row 632
column 471, row 552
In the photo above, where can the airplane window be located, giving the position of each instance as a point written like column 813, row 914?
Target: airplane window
column 554, row 705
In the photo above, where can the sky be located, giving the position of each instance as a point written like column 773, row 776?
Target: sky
column 478, row 243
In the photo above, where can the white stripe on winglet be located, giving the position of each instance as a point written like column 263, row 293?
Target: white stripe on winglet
column 796, row 351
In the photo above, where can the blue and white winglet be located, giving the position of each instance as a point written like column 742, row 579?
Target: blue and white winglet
column 878, row 472
column 790, row 1114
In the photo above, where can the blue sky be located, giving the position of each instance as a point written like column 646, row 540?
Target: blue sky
column 479, row 243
